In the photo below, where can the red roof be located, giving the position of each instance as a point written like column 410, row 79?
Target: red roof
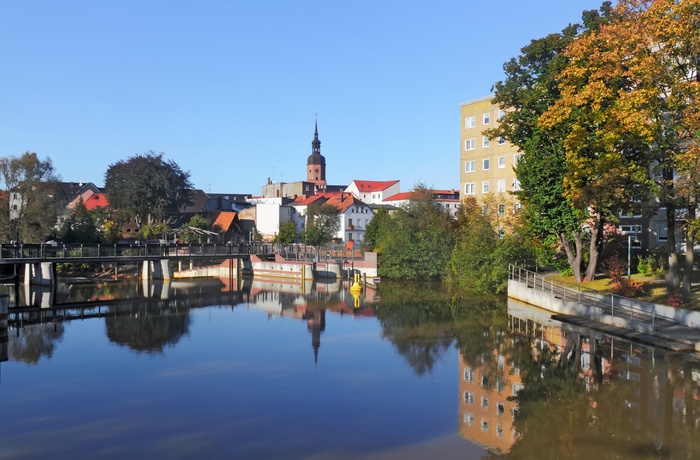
column 224, row 220
column 96, row 200
column 399, row 196
column 373, row 186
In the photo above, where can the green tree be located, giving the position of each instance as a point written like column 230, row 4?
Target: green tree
column 480, row 257
column 287, row 233
column 30, row 191
column 375, row 228
column 80, row 226
column 147, row 187
column 192, row 233
column 416, row 241
column 322, row 224
column 530, row 88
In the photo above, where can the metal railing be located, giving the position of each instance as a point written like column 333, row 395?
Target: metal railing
column 13, row 253
column 609, row 304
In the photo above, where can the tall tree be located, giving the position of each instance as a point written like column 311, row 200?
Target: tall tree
column 529, row 89
column 80, row 226
column 629, row 99
column 29, row 194
column 147, row 187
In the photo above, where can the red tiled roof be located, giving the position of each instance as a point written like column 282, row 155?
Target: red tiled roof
column 224, row 220
column 373, row 186
column 399, row 196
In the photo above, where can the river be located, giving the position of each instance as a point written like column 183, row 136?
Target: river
column 203, row 369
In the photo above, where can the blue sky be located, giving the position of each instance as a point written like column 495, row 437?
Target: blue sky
column 229, row 89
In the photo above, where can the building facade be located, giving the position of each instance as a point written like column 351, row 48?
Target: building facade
column 486, row 164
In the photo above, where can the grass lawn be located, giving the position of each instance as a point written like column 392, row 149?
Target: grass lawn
column 654, row 289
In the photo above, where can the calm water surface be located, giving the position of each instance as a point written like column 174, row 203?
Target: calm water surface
column 200, row 370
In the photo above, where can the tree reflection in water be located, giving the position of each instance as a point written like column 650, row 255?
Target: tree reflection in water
column 149, row 330
column 29, row 343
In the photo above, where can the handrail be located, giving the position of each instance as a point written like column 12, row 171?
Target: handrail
column 607, row 302
column 17, row 253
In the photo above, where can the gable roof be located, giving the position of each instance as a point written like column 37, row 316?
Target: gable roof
column 399, row 196
column 224, row 220
column 96, row 200
column 373, row 186
column 345, row 201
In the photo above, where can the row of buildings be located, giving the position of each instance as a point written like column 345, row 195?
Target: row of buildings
column 241, row 217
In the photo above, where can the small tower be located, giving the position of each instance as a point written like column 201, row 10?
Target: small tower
column 316, row 164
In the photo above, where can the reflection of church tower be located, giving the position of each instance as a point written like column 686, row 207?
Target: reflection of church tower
column 316, row 323
column 316, row 164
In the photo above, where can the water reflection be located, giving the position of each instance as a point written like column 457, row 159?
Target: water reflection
column 561, row 391
column 528, row 386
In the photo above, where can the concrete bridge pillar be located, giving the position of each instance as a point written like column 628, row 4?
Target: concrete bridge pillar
column 42, row 273
column 156, row 270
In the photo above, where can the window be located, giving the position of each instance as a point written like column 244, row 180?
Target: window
column 501, row 162
column 500, row 409
column 501, row 185
column 501, row 210
column 501, row 114
column 484, row 402
column 469, row 166
column 487, row 118
column 662, row 233
column 487, row 164
column 501, row 140
column 516, row 184
column 484, row 381
column 469, row 189
column 468, row 397
column 516, row 388
column 485, row 141
column 468, row 419
column 516, row 208
column 469, row 144
column 470, row 122
column 484, row 209
column 485, row 187
column 516, row 158
column 484, row 425
column 501, row 233
column 468, row 375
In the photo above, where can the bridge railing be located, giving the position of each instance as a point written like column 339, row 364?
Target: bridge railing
column 67, row 252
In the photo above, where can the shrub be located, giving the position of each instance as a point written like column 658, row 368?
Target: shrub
column 622, row 285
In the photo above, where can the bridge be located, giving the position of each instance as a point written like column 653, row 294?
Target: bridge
column 39, row 260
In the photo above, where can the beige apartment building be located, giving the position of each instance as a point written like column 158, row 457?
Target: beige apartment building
column 486, row 165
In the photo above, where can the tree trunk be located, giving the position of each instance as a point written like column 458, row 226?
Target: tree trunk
column 594, row 248
column 573, row 255
column 689, row 254
column 673, row 277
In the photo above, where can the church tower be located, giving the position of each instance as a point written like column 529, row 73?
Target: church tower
column 316, row 164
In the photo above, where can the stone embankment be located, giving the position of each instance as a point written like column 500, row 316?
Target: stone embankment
column 661, row 325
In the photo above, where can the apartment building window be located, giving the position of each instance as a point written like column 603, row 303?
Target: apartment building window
column 485, row 187
column 468, row 419
column 516, row 184
column 469, row 166
column 484, row 402
column 484, row 210
column 487, row 164
column 500, row 409
column 501, row 114
column 485, row 141
column 501, row 210
column 469, row 189
column 501, row 162
column 516, row 158
column 468, row 375
column 501, row 140
column 469, row 144
column 468, row 397
column 487, row 118
column 470, row 122
column 484, row 425
column 501, row 185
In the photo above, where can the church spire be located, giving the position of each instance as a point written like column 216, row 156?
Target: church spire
column 316, row 163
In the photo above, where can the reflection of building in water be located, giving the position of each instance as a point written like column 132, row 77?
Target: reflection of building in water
column 660, row 390
column 485, row 412
column 4, row 305
column 306, row 302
